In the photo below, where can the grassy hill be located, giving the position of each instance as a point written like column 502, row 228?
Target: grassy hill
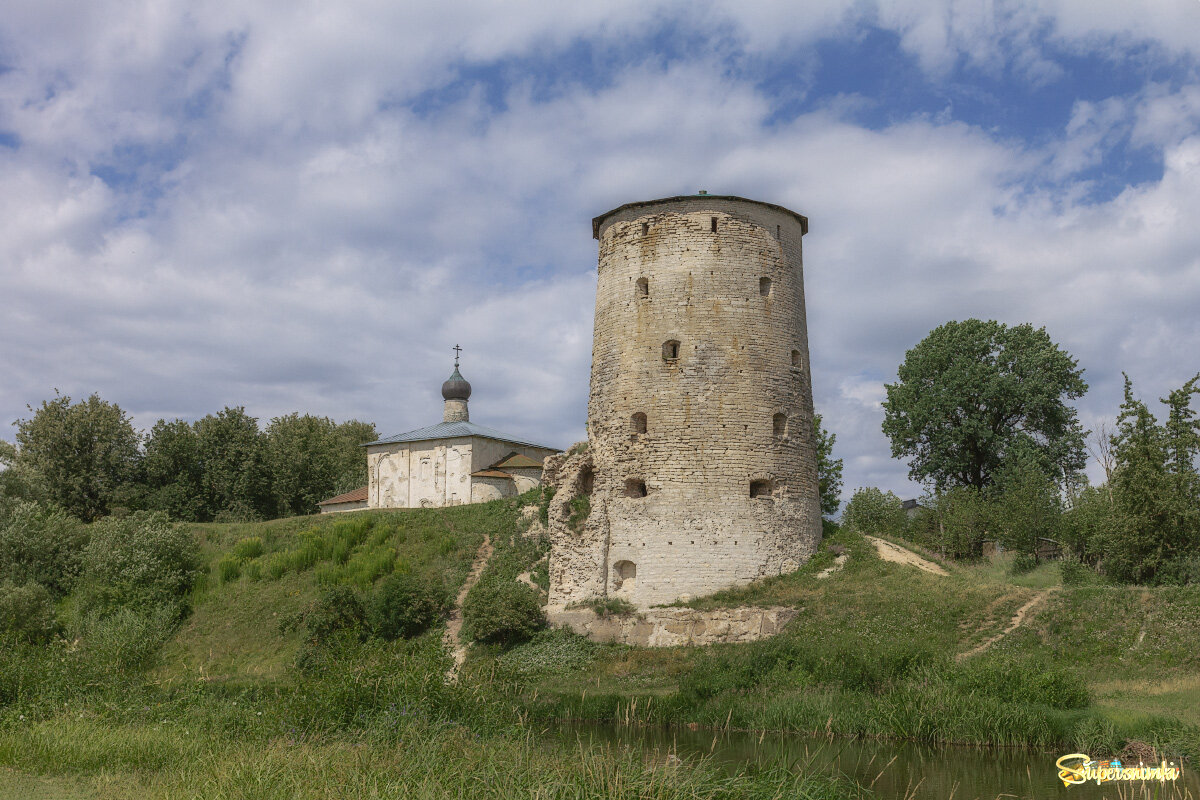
column 876, row 651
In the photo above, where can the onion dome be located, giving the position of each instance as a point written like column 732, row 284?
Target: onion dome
column 456, row 387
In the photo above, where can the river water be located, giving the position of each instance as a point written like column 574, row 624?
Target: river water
column 892, row 769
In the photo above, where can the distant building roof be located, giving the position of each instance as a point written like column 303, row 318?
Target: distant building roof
column 356, row 496
column 490, row 473
column 452, row 430
column 598, row 221
column 909, row 505
column 516, row 461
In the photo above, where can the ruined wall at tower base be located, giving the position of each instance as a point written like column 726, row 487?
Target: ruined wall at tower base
column 673, row 627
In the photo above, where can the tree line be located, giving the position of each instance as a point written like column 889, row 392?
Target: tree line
column 981, row 412
column 87, row 459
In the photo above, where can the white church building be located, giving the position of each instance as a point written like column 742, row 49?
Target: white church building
column 453, row 462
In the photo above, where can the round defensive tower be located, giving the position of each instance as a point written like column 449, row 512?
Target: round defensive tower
column 700, row 418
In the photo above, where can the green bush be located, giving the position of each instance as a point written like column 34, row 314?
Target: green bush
column 1075, row 572
column 502, row 612
column 875, row 512
column 41, row 544
column 249, row 548
column 404, row 605
column 27, row 611
column 141, row 561
column 338, row 610
column 1023, row 563
column 229, row 569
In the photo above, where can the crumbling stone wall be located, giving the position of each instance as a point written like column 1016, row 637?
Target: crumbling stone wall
column 702, row 451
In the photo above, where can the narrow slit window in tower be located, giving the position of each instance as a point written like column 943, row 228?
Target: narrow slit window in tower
column 779, row 425
column 635, row 487
column 795, row 358
column 671, row 350
column 643, row 288
column 764, row 286
column 714, row 225
column 761, row 489
column 645, row 228
column 638, row 422
column 587, row 481
column 778, row 232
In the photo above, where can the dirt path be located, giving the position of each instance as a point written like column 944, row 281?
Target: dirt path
column 454, row 624
column 899, row 555
column 1018, row 619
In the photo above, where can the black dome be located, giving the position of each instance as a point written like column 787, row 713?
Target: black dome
column 456, row 387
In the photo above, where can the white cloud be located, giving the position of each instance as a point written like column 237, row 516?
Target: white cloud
column 298, row 238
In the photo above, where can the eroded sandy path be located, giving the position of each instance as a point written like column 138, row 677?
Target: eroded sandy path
column 451, row 637
column 1018, row 619
column 897, row 554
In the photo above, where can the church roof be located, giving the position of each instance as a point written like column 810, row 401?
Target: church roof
column 454, row 430
column 356, row 496
column 516, row 461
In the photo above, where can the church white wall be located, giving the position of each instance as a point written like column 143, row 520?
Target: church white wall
column 438, row 472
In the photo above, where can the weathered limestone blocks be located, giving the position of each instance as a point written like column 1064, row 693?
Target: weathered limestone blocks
column 701, row 462
column 670, row 627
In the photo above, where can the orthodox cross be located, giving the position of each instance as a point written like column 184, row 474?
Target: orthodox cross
column 456, row 350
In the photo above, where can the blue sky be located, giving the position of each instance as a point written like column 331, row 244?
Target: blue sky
column 295, row 207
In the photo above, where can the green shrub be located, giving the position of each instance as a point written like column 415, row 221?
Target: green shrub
column 404, row 605
column 581, row 508
column 1075, row 572
column 875, row 512
column 229, row 569
column 41, row 544
column 551, row 651
column 1023, row 563
column 502, row 611
column 27, row 611
column 1022, row 680
column 608, row 606
column 140, row 561
column 249, row 548
column 338, row 610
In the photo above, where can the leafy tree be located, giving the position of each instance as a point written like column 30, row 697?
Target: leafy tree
column 955, row 522
column 174, row 471
column 829, row 470
column 40, row 544
column 83, row 452
column 310, row 458
column 137, row 562
column 972, row 394
column 18, row 482
column 1156, row 491
column 235, row 478
column 873, row 511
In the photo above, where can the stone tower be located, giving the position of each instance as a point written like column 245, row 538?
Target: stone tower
column 703, row 468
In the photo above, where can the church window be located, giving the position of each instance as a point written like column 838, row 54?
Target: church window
column 671, row 350
column 643, row 288
column 635, row 487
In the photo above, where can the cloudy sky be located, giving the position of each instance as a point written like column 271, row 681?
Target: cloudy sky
column 303, row 206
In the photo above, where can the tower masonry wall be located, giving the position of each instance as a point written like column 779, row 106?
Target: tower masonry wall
column 700, row 419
